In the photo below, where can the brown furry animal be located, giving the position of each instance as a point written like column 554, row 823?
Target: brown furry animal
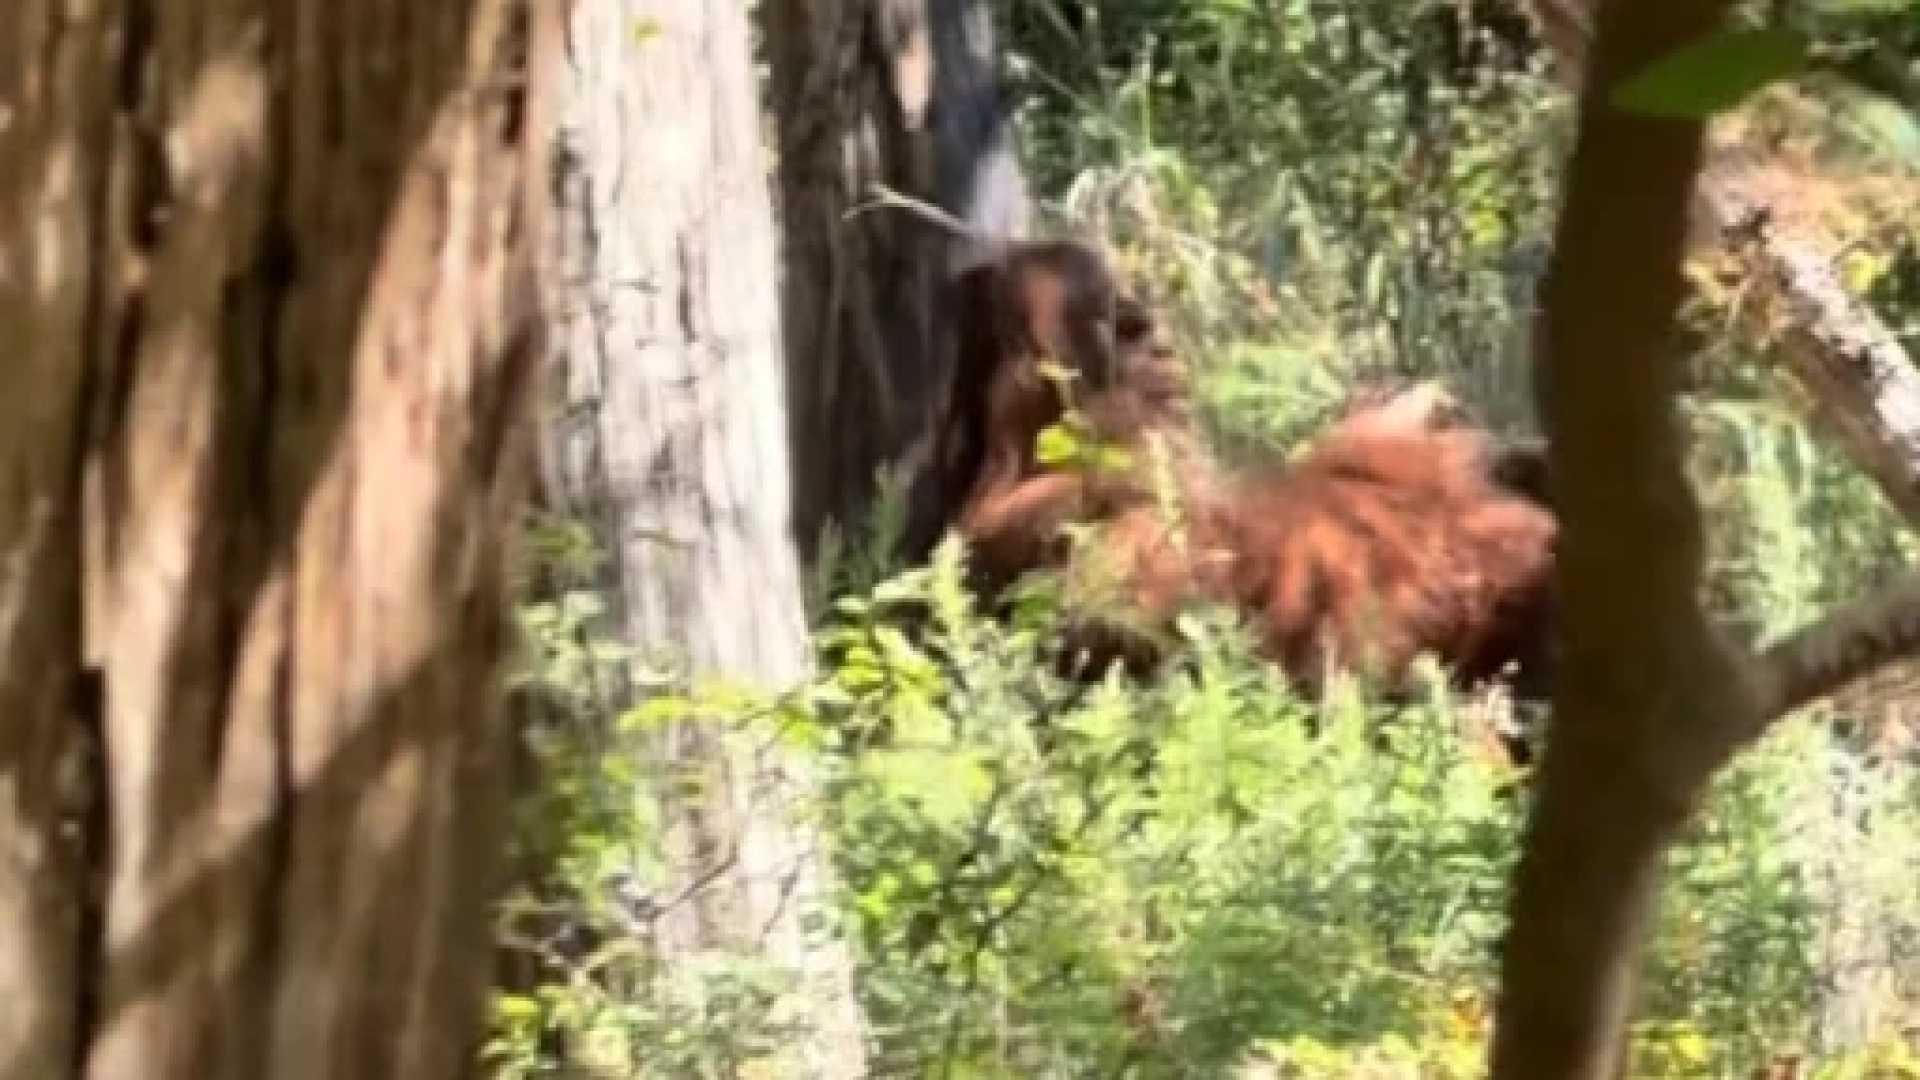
column 1057, row 303
column 1517, row 465
column 1390, row 537
column 1384, row 542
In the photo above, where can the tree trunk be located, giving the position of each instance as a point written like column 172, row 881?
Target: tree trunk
column 1865, row 394
column 672, row 446
column 903, row 94
column 1646, row 687
column 262, row 273
column 1650, row 701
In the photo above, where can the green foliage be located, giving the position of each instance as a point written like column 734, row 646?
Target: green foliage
column 1209, row 875
column 1021, row 876
column 1307, row 185
column 1056, row 881
column 592, row 996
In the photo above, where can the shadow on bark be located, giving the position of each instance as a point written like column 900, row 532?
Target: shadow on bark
column 905, row 94
column 284, row 331
column 425, row 970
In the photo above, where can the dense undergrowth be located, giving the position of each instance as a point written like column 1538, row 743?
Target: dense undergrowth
column 1210, row 876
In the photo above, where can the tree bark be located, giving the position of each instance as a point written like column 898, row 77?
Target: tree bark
column 904, row 94
column 1649, row 701
column 56, row 100
column 671, row 443
column 1866, row 389
column 262, row 266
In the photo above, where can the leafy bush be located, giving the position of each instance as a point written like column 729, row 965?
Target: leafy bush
column 1045, row 880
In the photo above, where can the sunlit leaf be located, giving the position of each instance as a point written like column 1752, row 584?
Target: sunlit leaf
column 1056, row 445
column 1057, row 373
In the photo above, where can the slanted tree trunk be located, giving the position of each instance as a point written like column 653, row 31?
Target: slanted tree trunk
column 671, row 444
column 1865, row 388
column 263, row 284
column 904, row 94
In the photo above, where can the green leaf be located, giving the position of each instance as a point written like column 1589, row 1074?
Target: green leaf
column 645, row 30
column 1113, row 459
column 1055, row 445
column 664, row 709
column 516, row 1008
column 1057, row 373
column 1713, row 74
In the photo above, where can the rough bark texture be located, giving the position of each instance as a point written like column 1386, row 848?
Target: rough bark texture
column 265, row 287
column 56, row 98
column 905, row 94
column 1866, row 388
column 672, row 445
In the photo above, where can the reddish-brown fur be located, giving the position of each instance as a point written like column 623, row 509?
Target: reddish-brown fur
column 1382, row 543
column 1389, row 537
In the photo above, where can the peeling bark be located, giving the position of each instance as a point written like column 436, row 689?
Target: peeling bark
column 671, row 445
column 1866, row 389
column 266, row 269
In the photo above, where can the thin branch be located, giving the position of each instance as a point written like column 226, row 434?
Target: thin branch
column 882, row 197
column 1845, row 645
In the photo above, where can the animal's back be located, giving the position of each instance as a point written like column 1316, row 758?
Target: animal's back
column 1379, row 545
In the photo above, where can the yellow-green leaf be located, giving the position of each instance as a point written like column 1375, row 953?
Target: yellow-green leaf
column 1055, row 445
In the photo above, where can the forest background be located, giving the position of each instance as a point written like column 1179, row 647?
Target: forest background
column 1316, row 193
column 362, row 354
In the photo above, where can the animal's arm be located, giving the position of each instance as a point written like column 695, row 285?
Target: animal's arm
column 1018, row 526
column 1030, row 511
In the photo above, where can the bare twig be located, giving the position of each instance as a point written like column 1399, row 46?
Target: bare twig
column 882, row 197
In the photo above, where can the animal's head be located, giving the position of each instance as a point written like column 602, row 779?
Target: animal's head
column 1028, row 314
column 1039, row 303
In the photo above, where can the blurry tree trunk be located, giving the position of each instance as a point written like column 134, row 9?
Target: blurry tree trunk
column 1865, row 388
column 671, row 445
column 1648, row 700
column 904, row 94
column 265, row 299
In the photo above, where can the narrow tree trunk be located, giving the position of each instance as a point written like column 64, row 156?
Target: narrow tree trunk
column 672, row 445
column 1645, row 684
column 903, row 94
column 1864, row 389
column 263, row 275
